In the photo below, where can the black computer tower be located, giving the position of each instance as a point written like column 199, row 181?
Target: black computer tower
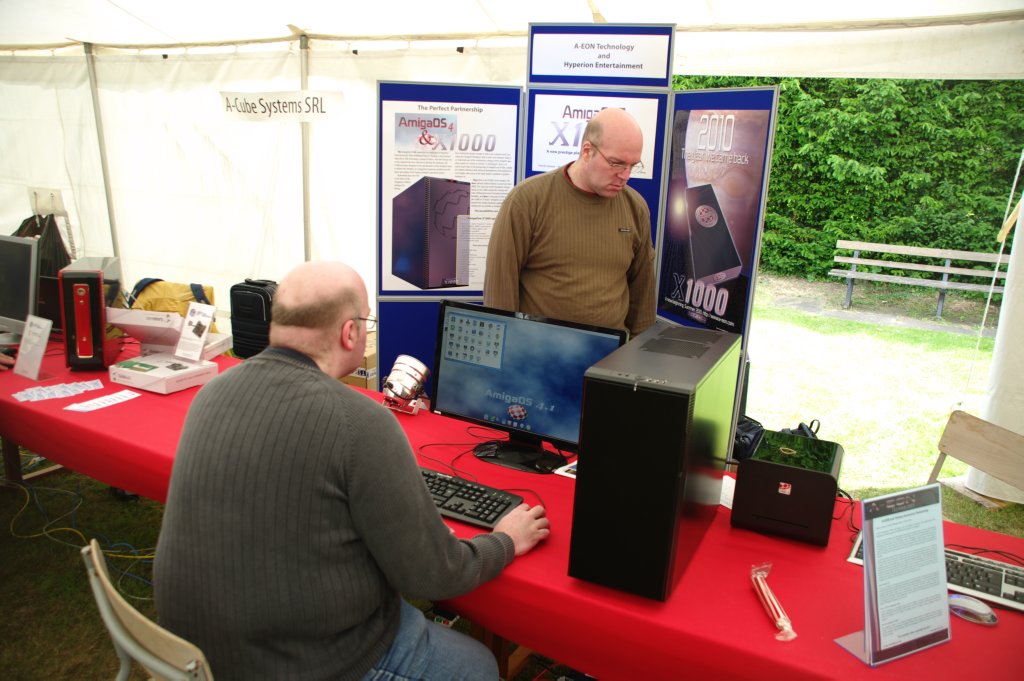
column 88, row 286
column 430, row 233
column 654, row 439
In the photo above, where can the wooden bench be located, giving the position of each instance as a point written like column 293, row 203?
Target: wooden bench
column 943, row 255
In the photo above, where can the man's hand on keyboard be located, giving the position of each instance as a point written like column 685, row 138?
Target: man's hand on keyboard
column 526, row 525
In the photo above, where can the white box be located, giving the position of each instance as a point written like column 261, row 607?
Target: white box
column 158, row 332
column 162, row 373
column 216, row 344
column 147, row 326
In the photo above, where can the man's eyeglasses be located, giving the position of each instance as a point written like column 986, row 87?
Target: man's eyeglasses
column 371, row 322
column 619, row 166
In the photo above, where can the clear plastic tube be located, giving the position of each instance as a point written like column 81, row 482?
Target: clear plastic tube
column 778, row 616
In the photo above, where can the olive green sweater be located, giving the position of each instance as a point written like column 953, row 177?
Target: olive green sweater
column 560, row 252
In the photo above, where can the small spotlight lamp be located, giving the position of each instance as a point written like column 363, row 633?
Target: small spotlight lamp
column 404, row 385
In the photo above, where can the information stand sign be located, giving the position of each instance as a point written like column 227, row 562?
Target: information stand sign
column 33, row 345
column 905, row 593
column 576, row 70
column 192, row 339
column 616, row 55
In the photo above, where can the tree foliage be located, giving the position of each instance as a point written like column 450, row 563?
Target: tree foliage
column 912, row 162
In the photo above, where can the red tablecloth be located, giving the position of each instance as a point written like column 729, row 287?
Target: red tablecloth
column 129, row 445
column 712, row 627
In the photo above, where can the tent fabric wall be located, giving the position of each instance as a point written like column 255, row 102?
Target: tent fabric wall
column 198, row 196
column 982, row 51
column 913, row 38
column 48, row 134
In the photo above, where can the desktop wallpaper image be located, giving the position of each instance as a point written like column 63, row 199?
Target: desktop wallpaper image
column 534, row 383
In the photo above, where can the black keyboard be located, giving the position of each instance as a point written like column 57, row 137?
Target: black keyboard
column 991, row 580
column 467, row 501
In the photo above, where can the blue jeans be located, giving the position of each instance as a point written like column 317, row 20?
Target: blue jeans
column 425, row 650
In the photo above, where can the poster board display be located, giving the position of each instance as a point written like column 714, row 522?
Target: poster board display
column 449, row 154
column 721, row 146
column 447, row 157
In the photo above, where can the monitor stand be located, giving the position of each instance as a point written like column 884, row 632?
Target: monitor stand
column 520, row 455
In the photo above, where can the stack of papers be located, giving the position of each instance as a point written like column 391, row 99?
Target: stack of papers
column 50, row 392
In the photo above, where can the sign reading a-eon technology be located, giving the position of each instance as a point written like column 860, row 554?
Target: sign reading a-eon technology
column 623, row 55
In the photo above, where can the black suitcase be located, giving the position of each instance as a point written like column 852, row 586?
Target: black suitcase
column 250, row 315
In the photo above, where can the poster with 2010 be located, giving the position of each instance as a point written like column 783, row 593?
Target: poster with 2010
column 714, row 205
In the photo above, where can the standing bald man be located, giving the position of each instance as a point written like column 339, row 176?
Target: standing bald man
column 575, row 243
column 297, row 516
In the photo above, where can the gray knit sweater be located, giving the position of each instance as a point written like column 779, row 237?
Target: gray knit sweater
column 296, row 517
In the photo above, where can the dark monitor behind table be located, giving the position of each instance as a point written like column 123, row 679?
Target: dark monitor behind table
column 19, row 261
column 518, row 374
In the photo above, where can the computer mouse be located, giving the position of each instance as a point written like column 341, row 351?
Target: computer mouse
column 972, row 610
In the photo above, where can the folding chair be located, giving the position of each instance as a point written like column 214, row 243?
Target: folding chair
column 135, row 636
column 990, row 448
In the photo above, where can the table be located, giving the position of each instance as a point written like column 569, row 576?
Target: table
column 130, row 445
column 711, row 627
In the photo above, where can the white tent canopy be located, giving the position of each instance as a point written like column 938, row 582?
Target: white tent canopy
column 872, row 38
column 184, row 193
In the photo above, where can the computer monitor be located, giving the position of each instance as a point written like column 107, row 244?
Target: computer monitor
column 519, row 374
column 19, row 261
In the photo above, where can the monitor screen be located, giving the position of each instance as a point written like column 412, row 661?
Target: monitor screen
column 18, row 277
column 518, row 374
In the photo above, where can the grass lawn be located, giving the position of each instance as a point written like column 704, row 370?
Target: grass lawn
column 882, row 392
column 881, row 386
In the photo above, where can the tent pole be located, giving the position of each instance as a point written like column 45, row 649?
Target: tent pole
column 90, row 60
column 306, row 236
